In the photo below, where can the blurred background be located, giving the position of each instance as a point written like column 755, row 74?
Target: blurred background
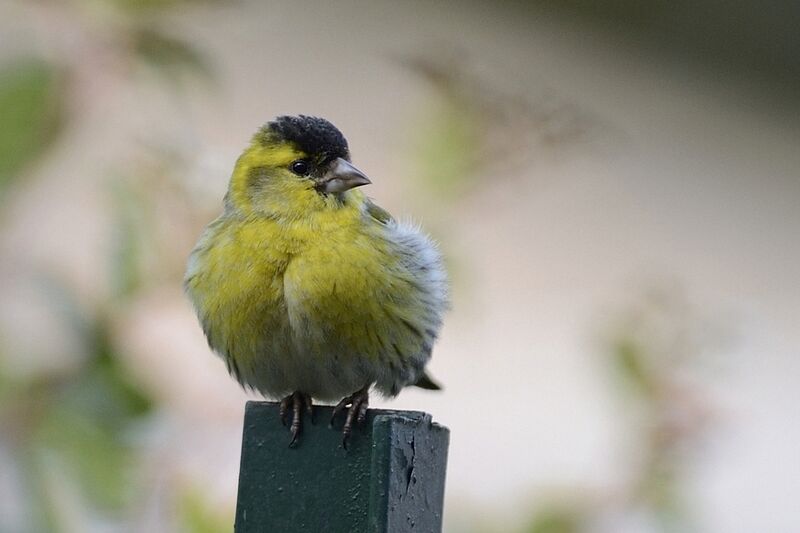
column 616, row 187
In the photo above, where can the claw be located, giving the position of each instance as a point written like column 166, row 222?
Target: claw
column 356, row 405
column 362, row 412
column 298, row 402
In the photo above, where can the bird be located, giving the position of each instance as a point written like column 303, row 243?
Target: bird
column 306, row 288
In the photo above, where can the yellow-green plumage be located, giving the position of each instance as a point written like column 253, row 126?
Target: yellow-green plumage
column 303, row 290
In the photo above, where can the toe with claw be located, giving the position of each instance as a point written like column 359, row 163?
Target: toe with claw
column 356, row 406
column 296, row 403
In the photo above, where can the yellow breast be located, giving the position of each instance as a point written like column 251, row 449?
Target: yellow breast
column 249, row 278
column 235, row 281
column 321, row 304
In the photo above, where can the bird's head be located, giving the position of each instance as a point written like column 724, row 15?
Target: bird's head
column 293, row 165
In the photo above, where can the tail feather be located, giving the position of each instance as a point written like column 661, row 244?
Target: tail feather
column 427, row 383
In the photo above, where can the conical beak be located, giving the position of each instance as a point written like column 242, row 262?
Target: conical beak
column 342, row 176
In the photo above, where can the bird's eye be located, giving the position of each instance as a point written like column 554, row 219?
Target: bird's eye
column 300, row 167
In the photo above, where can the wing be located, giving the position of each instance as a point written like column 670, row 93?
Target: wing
column 378, row 213
column 428, row 297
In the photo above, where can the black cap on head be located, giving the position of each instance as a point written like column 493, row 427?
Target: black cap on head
column 313, row 135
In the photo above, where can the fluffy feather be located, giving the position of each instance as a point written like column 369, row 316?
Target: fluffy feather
column 303, row 291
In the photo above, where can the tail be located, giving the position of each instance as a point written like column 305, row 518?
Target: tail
column 425, row 382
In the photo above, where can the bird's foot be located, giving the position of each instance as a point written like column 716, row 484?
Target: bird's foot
column 297, row 402
column 356, row 405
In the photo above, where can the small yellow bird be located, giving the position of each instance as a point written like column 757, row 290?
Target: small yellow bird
column 306, row 288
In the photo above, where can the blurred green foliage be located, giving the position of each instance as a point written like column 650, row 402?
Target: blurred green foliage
column 473, row 128
column 139, row 7
column 648, row 349
column 558, row 518
column 631, row 366
column 130, row 226
column 169, row 55
column 31, row 104
column 447, row 147
column 197, row 515
column 78, row 421
column 75, row 428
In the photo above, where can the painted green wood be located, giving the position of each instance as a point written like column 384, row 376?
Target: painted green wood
column 390, row 479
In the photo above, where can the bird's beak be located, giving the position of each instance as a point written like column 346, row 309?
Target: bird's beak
column 342, row 176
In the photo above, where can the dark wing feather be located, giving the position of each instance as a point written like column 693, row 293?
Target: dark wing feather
column 378, row 213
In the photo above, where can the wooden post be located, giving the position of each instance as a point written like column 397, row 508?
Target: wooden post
column 389, row 480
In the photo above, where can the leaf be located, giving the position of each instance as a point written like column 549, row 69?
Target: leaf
column 557, row 519
column 105, row 390
column 31, row 107
column 128, row 226
column 198, row 515
column 89, row 422
column 170, row 55
column 447, row 146
column 98, row 458
column 101, row 373
column 147, row 5
column 150, row 6
column 631, row 363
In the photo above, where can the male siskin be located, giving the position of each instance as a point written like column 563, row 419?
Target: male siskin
column 305, row 287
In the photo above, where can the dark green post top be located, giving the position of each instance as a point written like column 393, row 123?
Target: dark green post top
column 390, row 479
